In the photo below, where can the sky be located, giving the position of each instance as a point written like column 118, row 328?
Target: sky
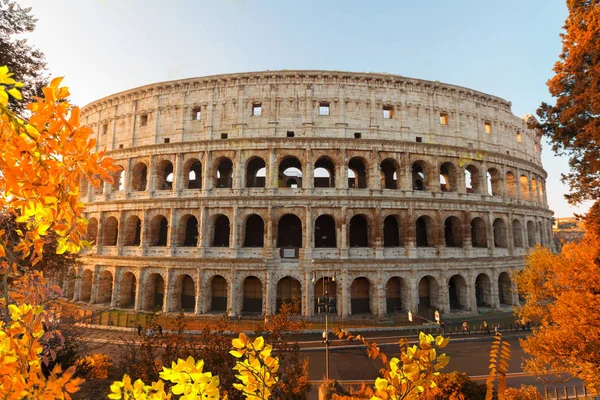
column 504, row 48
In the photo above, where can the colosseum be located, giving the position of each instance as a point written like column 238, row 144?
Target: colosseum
column 239, row 191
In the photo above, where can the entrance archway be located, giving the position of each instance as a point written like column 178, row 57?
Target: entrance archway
column 288, row 290
column 253, row 298
column 360, row 297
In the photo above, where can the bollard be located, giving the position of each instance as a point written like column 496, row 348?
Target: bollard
column 566, row 392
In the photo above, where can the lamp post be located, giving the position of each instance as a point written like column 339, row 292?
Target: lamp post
column 326, row 306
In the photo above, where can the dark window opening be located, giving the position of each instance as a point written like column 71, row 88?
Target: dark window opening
column 159, row 229
column 324, row 173
column 165, row 175
column 195, row 176
column 290, row 133
column 422, row 232
column 256, row 173
column 389, row 177
column 289, row 231
column 290, row 173
column 221, row 232
column 453, row 232
column 418, row 176
column 143, row 119
column 357, row 174
column 223, row 136
column 419, row 139
column 359, row 232
column 478, row 233
column 196, row 113
column 191, row 232
column 133, row 231
column 167, row 140
column 255, row 232
column 325, row 232
column 357, row 135
column 139, row 179
column 225, row 174
column 391, row 232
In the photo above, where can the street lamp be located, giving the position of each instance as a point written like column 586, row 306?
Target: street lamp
column 326, row 304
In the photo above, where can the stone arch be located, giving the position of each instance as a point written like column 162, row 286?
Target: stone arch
column 224, row 173
column 530, row 234
column 85, row 291
column 391, row 231
column 483, row 291
column 159, row 231
column 419, row 175
column 221, row 231
column 139, row 177
column 188, row 231
column 127, row 290
column 164, row 175
column 324, row 173
column 256, row 172
column 494, row 182
column 511, row 184
column 185, row 293
column 105, row 287
column 524, row 186
column 288, row 289
column 453, row 232
column 358, row 231
column 505, row 289
column 254, row 232
column 517, row 231
column 360, row 296
column 424, row 231
column 472, row 181
column 500, row 233
column 218, row 293
column 326, row 287
column 111, row 231
column 154, row 293
column 252, row 301
column 429, row 294
column 478, row 232
column 389, row 174
column 357, row 173
column 289, row 231
column 325, row 232
column 133, row 231
column 92, row 231
column 118, row 177
column 192, row 174
column 534, row 188
column 396, row 295
column 290, row 173
column 457, row 293
column 448, row 177
column 71, row 280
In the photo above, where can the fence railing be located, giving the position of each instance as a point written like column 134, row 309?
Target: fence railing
column 568, row 392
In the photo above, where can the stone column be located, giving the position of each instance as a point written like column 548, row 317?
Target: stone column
column 232, row 304
column 381, row 296
column 495, row 294
column 344, row 234
column 203, row 238
column 95, row 284
column 378, row 234
column 139, row 292
column 172, row 235
column 169, row 301
column 342, row 183
column 145, row 232
column 433, row 181
column 410, row 234
column 272, row 171
column 345, row 289
column 309, row 294
column 375, row 183
column 207, row 171
column 270, row 290
column 308, row 181
column 509, row 234
column 114, row 300
column 178, row 177
column 78, row 279
column 471, row 291
column 444, row 300
column 490, row 233
column 310, row 236
column 238, row 169
column 151, row 176
column 200, row 289
column 234, row 230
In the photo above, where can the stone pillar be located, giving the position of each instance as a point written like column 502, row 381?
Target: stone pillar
column 378, row 234
column 410, row 235
column 272, row 171
column 114, row 300
column 139, row 291
column 145, row 232
column 126, row 179
column 495, row 294
column 461, row 181
column 509, row 234
column 270, row 290
column 343, row 234
column 238, row 168
column 178, row 177
column 518, row 182
column 483, row 181
column 471, row 291
column 444, row 299
column 345, row 288
column 232, row 304
column 172, row 232
column 95, row 284
column 269, row 245
column 433, row 180
column 200, row 290
column 310, row 236
column 78, row 279
column 207, row 171
column 342, row 183
column 169, row 300
column 234, row 231
column 309, row 294
column 490, row 233
column 381, row 296
column 151, row 176
column 375, row 181
column 308, row 181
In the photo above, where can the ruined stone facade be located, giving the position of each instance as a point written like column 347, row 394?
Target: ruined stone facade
column 239, row 191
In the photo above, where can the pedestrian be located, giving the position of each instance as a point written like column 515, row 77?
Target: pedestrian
column 139, row 330
column 159, row 329
column 465, row 327
column 496, row 329
column 442, row 328
column 486, row 328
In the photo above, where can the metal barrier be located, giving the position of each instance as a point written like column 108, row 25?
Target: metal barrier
column 569, row 392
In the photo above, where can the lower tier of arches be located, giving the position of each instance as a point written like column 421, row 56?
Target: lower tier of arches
column 342, row 291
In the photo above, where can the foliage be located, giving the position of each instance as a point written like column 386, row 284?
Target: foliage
column 409, row 376
column 499, row 357
column 27, row 63
column 523, row 393
column 562, row 298
column 97, row 365
column 455, row 386
column 572, row 123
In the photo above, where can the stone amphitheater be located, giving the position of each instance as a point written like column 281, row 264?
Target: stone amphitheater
column 237, row 192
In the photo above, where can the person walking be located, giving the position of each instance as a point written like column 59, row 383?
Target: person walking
column 486, row 328
column 465, row 327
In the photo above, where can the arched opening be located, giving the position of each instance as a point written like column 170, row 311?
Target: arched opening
column 256, row 173
column 218, row 294
column 254, row 234
column 478, row 232
column 447, row 177
column 111, row 232
column 534, row 188
column 472, row 179
column 154, row 293
column 224, row 174
column 524, row 185
column 453, row 232
column 193, row 174
column 325, row 232
column 391, row 231
column 85, row 291
column 457, row 293
column 483, row 291
column 511, row 185
column 325, row 296
column 359, row 231
column 159, row 231
column 185, row 293
column 396, row 295
column 499, row 233
column 133, row 231
column 505, row 289
column 357, row 173
column 424, row 232
column 118, row 184
column 389, row 175
column 71, row 279
column 221, row 232
column 418, row 176
column 127, row 290
column 92, row 231
column 494, row 182
column 359, row 296
column 164, row 175
column 188, row 231
column 289, row 231
column 290, row 173
column 324, row 174
column 530, row 234
column 139, row 177
column 105, row 287
column 517, row 233
column 252, row 301
column 428, row 294
column 288, row 290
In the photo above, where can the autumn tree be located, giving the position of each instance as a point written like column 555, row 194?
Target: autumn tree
column 572, row 124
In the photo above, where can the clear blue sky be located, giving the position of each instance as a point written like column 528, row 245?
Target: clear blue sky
column 505, row 48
